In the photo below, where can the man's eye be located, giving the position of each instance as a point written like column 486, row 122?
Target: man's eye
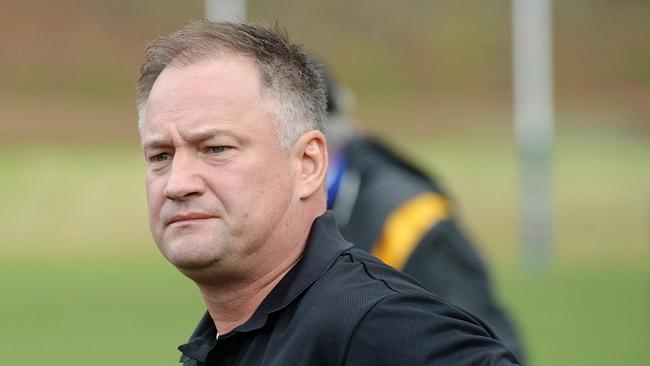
column 217, row 149
column 160, row 158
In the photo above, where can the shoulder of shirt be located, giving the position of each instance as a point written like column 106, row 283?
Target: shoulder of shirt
column 356, row 271
column 358, row 283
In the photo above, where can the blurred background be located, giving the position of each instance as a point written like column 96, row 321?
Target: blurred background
column 81, row 279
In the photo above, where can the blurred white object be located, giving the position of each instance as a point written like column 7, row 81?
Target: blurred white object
column 225, row 10
column 533, row 112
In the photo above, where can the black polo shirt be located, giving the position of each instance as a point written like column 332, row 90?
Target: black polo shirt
column 341, row 306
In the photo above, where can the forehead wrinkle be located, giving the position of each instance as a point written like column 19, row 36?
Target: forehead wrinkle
column 205, row 133
column 211, row 108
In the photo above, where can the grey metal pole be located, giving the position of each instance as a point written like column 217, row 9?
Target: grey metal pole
column 225, row 10
column 533, row 112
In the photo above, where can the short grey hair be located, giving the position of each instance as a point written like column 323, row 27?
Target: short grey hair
column 287, row 75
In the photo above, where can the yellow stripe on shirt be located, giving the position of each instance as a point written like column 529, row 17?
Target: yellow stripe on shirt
column 405, row 227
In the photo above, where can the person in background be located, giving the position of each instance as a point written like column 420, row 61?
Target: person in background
column 395, row 211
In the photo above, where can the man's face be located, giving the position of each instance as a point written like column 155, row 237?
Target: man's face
column 218, row 184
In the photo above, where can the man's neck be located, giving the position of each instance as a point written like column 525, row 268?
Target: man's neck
column 232, row 305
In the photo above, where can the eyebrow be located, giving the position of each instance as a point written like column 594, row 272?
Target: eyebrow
column 154, row 143
column 194, row 136
column 206, row 134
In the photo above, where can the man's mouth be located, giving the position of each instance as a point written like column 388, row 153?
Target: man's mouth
column 189, row 217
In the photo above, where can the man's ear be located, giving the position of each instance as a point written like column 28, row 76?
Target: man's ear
column 311, row 153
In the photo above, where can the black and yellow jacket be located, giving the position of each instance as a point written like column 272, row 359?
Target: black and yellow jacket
column 393, row 210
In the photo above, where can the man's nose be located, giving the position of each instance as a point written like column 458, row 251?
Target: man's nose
column 185, row 179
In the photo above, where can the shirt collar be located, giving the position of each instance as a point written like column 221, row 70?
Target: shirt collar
column 324, row 245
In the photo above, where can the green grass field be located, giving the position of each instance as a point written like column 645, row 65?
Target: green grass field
column 82, row 282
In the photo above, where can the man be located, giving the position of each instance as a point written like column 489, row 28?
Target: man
column 230, row 124
column 386, row 206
